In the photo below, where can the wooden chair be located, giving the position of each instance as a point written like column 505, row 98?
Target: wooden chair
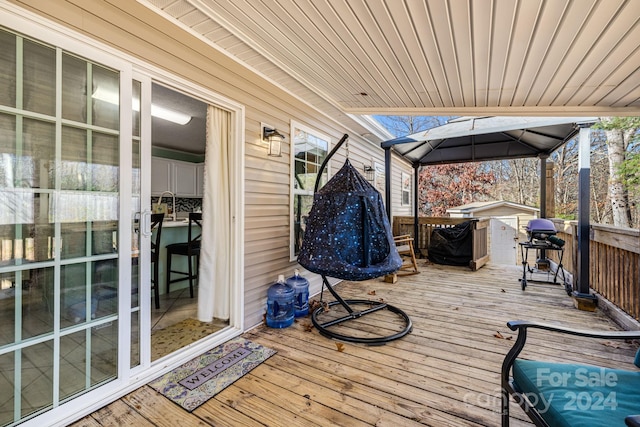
column 190, row 249
column 156, row 224
column 404, row 244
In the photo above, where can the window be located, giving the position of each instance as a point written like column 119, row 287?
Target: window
column 309, row 150
column 405, row 185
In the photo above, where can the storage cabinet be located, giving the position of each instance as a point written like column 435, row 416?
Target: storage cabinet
column 184, row 179
column 184, row 175
column 161, row 175
column 200, row 180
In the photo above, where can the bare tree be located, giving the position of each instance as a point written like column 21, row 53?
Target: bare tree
column 615, row 171
column 566, row 174
column 445, row 186
column 620, row 132
column 631, row 172
column 601, row 211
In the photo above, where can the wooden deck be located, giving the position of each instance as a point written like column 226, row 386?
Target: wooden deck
column 444, row 373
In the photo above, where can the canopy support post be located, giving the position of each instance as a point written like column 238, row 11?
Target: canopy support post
column 584, row 299
column 543, row 185
column 543, row 197
column 416, row 206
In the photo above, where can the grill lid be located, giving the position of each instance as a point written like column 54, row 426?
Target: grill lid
column 541, row 225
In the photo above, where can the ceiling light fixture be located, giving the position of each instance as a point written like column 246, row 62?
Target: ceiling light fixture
column 173, row 116
column 274, row 138
column 170, row 115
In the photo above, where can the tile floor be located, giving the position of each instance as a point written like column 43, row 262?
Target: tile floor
column 175, row 324
column 174, row 307
column 89, row 355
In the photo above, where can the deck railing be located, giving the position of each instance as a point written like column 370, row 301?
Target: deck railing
column 614, row 256
column 480, row 251
column 614, row 259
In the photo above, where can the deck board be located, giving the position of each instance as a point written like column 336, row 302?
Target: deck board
column 444, row 373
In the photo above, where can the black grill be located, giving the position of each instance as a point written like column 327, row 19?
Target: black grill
column 541, row 231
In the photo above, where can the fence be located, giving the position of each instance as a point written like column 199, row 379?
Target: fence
column 614, row 260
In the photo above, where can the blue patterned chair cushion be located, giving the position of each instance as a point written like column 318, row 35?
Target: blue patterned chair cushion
column 579, row 395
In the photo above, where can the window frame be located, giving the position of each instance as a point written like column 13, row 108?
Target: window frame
column 379, row 178
column 295, row 192
column 405, row 188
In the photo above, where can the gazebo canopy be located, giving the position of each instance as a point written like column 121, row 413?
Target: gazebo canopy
column 487, row 138
column 495, row 138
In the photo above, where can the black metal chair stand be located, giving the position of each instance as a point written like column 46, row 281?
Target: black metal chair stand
column 373, row 307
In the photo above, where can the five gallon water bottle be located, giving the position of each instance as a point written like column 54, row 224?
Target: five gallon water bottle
column 280, row 300
column 300, row 287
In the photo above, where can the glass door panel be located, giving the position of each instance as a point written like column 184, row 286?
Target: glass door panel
column 136, row 223
column 7, row 382
column 35, row 377
column 106, row 109
column 8, row 70
column 74, row 89
column 36, row 156
column 39, row 84
column 59, row 225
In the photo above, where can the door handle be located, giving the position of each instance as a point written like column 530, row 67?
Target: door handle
column 145, row 223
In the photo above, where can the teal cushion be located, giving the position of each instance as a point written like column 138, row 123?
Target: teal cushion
column 578, row 395
column 637, row 359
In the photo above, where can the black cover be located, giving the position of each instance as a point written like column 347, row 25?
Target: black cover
column 451, row 246
column 348, row 234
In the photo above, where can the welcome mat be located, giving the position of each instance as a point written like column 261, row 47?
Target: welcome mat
column 198, row 380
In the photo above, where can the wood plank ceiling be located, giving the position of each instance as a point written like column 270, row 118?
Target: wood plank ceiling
column 433, row 57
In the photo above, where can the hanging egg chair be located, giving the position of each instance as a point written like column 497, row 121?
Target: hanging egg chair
column 348, row 237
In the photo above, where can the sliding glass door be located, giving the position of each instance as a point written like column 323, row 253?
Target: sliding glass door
column 140, row 217
column 60, row 191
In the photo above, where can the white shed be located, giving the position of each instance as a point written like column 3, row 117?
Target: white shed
column 508, row 222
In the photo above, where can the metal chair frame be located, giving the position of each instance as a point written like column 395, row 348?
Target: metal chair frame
column 190, row 249
column 156, row 224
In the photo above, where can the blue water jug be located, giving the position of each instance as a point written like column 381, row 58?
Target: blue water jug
column 280, row 300
column 300, row 287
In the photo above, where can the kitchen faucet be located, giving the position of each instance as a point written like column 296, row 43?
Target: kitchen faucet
column 173, row 204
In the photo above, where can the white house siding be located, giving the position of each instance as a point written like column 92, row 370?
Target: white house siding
column 397, row 208
column 129, row 27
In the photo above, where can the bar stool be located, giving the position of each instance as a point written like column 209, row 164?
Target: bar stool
column 190, row 249
column 156, row 224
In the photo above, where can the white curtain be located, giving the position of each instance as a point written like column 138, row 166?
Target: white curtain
column 215, row 263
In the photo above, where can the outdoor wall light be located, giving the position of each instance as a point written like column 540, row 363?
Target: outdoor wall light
column 274, row 139
column 369, row 173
